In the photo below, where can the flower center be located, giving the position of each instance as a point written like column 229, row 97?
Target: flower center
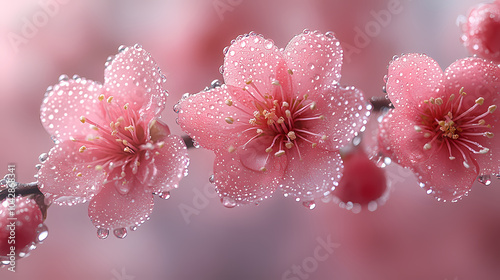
column 118, row 148
column 450, row 124
column 281, row 117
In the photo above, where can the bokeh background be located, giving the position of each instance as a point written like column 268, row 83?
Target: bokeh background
column 191, row 235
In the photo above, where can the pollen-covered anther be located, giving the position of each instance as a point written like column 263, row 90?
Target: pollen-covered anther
column 324, row 137
column 127, row 150
column 259, row 131
column 98, row 167
column 82, row 119
column 109, row 99
column 285, row 104
column 263, row 169
column 290, row 71
column 288, row 114
column 253, row 121
column 125, row 106
column 289, row 145
column 481, row 122
column 489, row 134
column 417, row 128
column 279, row 153
column 269, row 149
column 281, row 120
column 313, row 106
column 438, row 101
column 125, row 142
column 101, row 97
column 276, row 82
column 129, row 128
column 492, row 109
column 229, row 102
column 484, row 151
column 82, row 149
column 160, row 144
column 94, row 127
column 229, row 120
column 314, row 145
column 79, row 174
column 427, row 146
column 231, row 149
column 291, row 135
column 480, row 101
column 248, row 82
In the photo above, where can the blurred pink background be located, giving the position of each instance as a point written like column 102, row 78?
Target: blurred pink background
column 412, row 236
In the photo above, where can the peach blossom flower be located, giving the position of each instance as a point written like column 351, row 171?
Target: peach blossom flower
column 443, row 124
column 279, row 119
column 111, row 148
column 482, row 31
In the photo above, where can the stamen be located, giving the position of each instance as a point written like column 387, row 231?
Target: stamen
column 101, row 97
column 82, row 119
column 279, row 153
column 229, row 120
column 231, row 149
column 290, row 72
column 292, row 135
column 82, row 149
column 229, row 102
column 109, row 99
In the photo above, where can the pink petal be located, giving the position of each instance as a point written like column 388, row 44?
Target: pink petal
column 405, row 144
column 316, row 61
column 204, row 117
column 134, row 77
column 237, row 184
column 111, row 210
column 252, row 58
column 412, row 79
column 64, row 105
column 171, row 165
column 314, row 175
column 340, row 124
column 59, row 176
column 444, row 178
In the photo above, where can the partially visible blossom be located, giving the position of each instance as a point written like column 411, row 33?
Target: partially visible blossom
column 21, row 228
column 444, row 124
column 111, row 148
column 278, row 121
column 481, row 31
column 363, row 182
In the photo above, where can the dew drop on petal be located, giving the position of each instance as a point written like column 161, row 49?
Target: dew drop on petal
column 42, row 233
column 133, row 228
column 63, row 78
column 120, row 232
column 211, row 179
column 309, row 204
column 122, row 48
column 43, row 157
column 164, row 195
column 228, row 202
column 177, row 108
column 484, row 179
column 102, row 233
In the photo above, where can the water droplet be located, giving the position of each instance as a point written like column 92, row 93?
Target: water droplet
column 196, row 144
column 133, row 228
column 306, row 31
column 225, row 50
column 43, row 233
column 177, row 108
column 484, row 179
column 215, row 83
column 122, row 48
column 211, row 179
column 309, row 204
column 120, row 232
column 221, row 69
column 228, row 202
column 268, row 44
column 38, row 166
column 76, row 77
column 164, row 195
column 330, row 34
column 43, row 157
column 63, row 78
column 138, row 47
column 102, row 233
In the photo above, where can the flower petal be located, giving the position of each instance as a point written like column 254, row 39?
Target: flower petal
column 206, row 116
column 340, row 125
column 111, row 210
column 241, row 185
column 134, row 77
column 412, row 79
column 64, row 105
column 65, row 177
column 313, row 175
column 252, row 58
column 171, row 165
column 444, row 178
column 316, row 61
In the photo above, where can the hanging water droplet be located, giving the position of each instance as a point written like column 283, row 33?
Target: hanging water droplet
column 309, row 204
column 5, row 261
column 196, row 144
column 211, row 179
column 133, row 228
column 38, row 166
column 43, row 233
column 215, row 83
column 484, row 179
column 330, row 34
column 225, row 50
column 63, row 77
column 122, row 48
column 120, row 232
column 102, row 233
column 138, row 47
column 177, row 108
column 221, row 69
column 228, row 202
column 395, row 57
column 43, row 157
column 164, row 195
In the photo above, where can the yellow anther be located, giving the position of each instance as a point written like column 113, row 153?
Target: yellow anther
column 74, row 169
column 289, row 145
column 438, row 101
column 288, row 114
column 321, row 117
column 462, row 92
column 229, row 120
column 324, row 137
column 82, row 119
column 306, row 96
column 489, row 134
column 229, row 102
column 160, row 144
column 292, row 135
column 281, row 120
column 481, row 122
column 480, row 101
column 123, row 174
column 290, row 71
column 101, row 97
column 248, row 82
column 127, row 150
column 417, row 128
column 129, row 128
column 263, row 169
column 427, row 146
column 137, row 163
column 285, row 104
column 231, row 149
column 260, row 131
column 313, row 105
column 432, row 100
column 94, row 127
column 125, row 106
column 276, row 83
column 314, row 145
column 109, row 99
column 82, row 149
column 452, row 97
column 441, row 123
column 279, row 153
column 492, row 108
column 252, row 121
column 98, row 167
column 79, row 174
column 125, row 142
column 268, row 150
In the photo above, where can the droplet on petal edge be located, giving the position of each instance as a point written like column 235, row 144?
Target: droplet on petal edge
column 42, row 233
column 120, row 232
column 102, row 233
column 309, row 204
column 228, row 202
column 484, row 179
column 164, row 195
column 43, row 157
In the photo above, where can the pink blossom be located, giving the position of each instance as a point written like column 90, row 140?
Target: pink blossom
column 481, row 31
column 279, row 119
column 443, row 124
column 111, row 148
